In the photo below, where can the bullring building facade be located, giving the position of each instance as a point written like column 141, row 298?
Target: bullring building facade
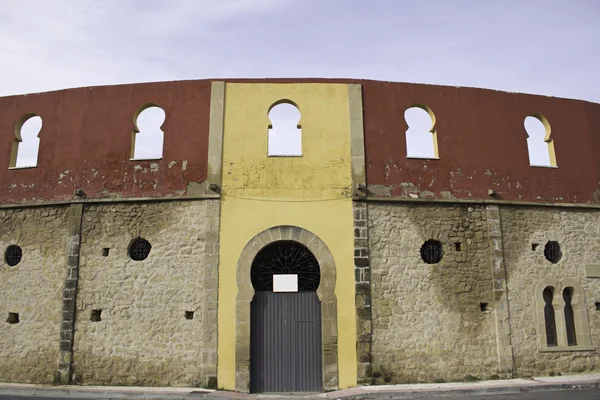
column 340, row 257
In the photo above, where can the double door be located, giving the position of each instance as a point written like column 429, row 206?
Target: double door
column 285, row 343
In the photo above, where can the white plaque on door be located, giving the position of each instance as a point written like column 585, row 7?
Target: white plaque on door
column 285, row 283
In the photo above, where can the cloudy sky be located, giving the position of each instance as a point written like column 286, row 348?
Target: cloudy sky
column 547, row 47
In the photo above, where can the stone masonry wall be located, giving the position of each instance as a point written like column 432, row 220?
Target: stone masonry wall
column 577, row 231
column 427, row 320
column 29, row 349
column 143, row 337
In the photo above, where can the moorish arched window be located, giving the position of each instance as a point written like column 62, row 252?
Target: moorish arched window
column 285, row 131
column 549, row 318
column 421, row 135
column 569, row 317
column 562, row 320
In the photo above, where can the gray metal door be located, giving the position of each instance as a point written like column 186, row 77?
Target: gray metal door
column 285, row 342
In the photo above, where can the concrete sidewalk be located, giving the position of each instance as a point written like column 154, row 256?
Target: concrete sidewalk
column 362, row 392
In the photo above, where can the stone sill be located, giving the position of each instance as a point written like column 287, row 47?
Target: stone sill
column 543, row 166
column 423, row 158
column 569, row 349
column 24, row 167
column 145, row 159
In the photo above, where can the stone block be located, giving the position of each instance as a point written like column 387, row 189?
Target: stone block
column 592, row 271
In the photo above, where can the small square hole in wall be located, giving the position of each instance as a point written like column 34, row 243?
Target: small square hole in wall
column 483, row 307
column 105, row 251
column 534, row 246
column 189, row 315
column 458, row 246
column 13, row 318
column 597, row 305
column 96, row 316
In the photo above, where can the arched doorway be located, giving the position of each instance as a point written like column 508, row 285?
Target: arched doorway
column 285, row 319
column 325, row 292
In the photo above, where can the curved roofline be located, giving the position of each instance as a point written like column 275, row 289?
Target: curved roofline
column 299, row 80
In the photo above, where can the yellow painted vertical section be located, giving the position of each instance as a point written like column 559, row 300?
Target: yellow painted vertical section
column 312, row 192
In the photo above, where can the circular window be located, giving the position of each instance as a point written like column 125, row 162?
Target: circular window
column 139, row 249
column 431, row 251
column 552, row 252
column 13, row 255
column 285, row 257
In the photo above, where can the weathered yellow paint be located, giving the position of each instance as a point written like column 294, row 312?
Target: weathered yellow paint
column 312, row 192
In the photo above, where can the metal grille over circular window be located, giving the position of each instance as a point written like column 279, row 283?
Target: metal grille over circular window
column 552, row 252
column 431, row 251
column 285, row 257
column 139, row 249
column 13, row 255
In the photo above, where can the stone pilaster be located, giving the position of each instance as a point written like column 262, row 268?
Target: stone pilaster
column 215, row 132
column 501, row 306
column 211, row 280
column 362, row 275
column 67, row 327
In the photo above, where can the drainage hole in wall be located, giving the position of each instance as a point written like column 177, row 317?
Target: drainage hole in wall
column 534, row 246
column 96, row 316
column 483, row 307
column 13, row 318
column 458, row 246
column 105, row 251
column 189, row 315
column 597, row 305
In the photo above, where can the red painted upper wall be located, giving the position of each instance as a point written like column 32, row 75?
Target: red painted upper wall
column 85, row 143
column 482, row 145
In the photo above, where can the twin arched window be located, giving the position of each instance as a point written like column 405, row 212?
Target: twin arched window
column 550, row 316
column 562, row 317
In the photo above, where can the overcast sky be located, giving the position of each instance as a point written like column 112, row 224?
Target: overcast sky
column 549, row 47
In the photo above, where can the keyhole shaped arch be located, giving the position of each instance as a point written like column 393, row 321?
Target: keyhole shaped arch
column 325, row 292
column 18, row 139
column 569, row 314
column 432, row 129
column 136, row 130
column 547, row 139
column 577, row 300
column 281, row 140
column 284, row 101
column 550, row 316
